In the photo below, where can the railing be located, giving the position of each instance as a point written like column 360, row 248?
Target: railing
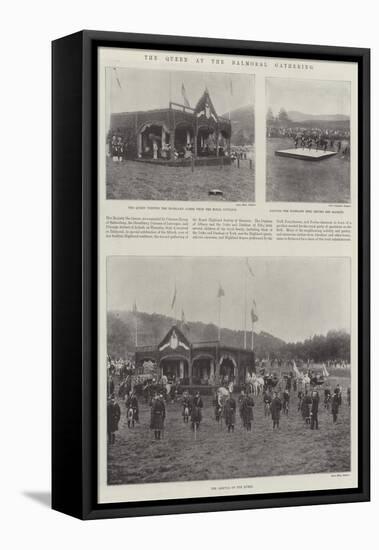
column 183, row 108
column 206, row 343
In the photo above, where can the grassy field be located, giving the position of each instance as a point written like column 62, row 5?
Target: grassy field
column 294, row 180
column 142, row 181
column 293, row 449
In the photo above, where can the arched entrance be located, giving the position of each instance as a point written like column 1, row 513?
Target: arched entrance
column 184, row 139
column 224, row 143
column 203, row 370
column 206, row 141
column 228, row 369
column 151, row 138
column 175, row 367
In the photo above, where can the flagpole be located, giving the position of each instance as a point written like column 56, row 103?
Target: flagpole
column 244, row 319
column 252, row 334
column 176, row 307
column 219, row 318
column 136, row 327
column 174, row 304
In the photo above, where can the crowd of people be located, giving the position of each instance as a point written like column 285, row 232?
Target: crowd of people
column 275, row 399
column 320, row 139
column 119, row 149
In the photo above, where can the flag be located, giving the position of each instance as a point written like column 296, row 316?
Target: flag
column 220, row 292
column 135, row 307
column 184, row 322
column 173, row 299
column 296, row 370
column 325, row 370
column 249, row 268
column 117, row 79
column 185, row 99
column 254, row 317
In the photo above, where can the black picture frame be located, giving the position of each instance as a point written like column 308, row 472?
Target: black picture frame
column 74, row 273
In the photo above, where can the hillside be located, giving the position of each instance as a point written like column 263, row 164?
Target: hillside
column 243, row 124
column 153, row 327
column 297, row 116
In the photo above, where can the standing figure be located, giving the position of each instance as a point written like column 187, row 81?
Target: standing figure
column 339, row 393
column 230, row 413
column 110, row 385
column 314, row 410
column 158, row 415
column 348, row 396
column 218, row 405
column 186, row 407
column 155, row 150
column 300, row 397
column 113, row 418
column 306, row 408
column 327, row 397
column 241, row 401
column 120, row 149
column 335, row 405
column 114, row 149
column 276, row 407
column 196, row 416
column 246, row 411
column 286, row 401
column 267, row 402
column 131, row 403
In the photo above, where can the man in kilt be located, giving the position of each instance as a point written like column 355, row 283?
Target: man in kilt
column 113, row 418
column 276, row 407
column 230, row 413
column 335, row 405
column 246, row 411
column 158, row 415
column 196, row 414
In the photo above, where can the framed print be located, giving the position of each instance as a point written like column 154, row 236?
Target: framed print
column 210, row 275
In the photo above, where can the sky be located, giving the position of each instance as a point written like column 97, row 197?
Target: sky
column 143, row 89
column 295, row 297
column 314, row 97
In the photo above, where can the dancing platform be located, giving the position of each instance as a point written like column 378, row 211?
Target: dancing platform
column 305, row 154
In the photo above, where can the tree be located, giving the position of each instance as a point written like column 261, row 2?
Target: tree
column 283, row 117
column 270, row 119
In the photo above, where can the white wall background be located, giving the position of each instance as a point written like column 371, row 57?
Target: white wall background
column 26, row 31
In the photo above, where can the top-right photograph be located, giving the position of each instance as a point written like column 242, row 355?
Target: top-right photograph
column 308, row 140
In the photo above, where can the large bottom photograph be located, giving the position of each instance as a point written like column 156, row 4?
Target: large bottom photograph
column 227, row 367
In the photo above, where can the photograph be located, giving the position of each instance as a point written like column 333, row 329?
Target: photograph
column 307, row 140
column 240, row 372
column 175, row 135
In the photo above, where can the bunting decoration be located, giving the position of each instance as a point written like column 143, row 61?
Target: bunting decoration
column 184, row 95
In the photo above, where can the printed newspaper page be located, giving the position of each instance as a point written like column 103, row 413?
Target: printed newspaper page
column 227, row 336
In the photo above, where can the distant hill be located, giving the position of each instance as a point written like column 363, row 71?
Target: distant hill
column 153, row 327
column 297, row 116
column 243, row 125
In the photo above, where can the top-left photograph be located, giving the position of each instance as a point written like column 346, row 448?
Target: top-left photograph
column 179, row 135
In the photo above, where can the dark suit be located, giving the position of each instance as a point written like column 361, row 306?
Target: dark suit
column 276, row 407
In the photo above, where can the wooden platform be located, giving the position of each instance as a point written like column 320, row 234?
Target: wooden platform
column 305, row 154
column 199, row 161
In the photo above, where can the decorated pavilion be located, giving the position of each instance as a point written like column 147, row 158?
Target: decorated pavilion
column 208, row 363
column 179, row 132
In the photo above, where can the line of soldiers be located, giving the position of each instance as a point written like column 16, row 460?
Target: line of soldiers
column 225, row 409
